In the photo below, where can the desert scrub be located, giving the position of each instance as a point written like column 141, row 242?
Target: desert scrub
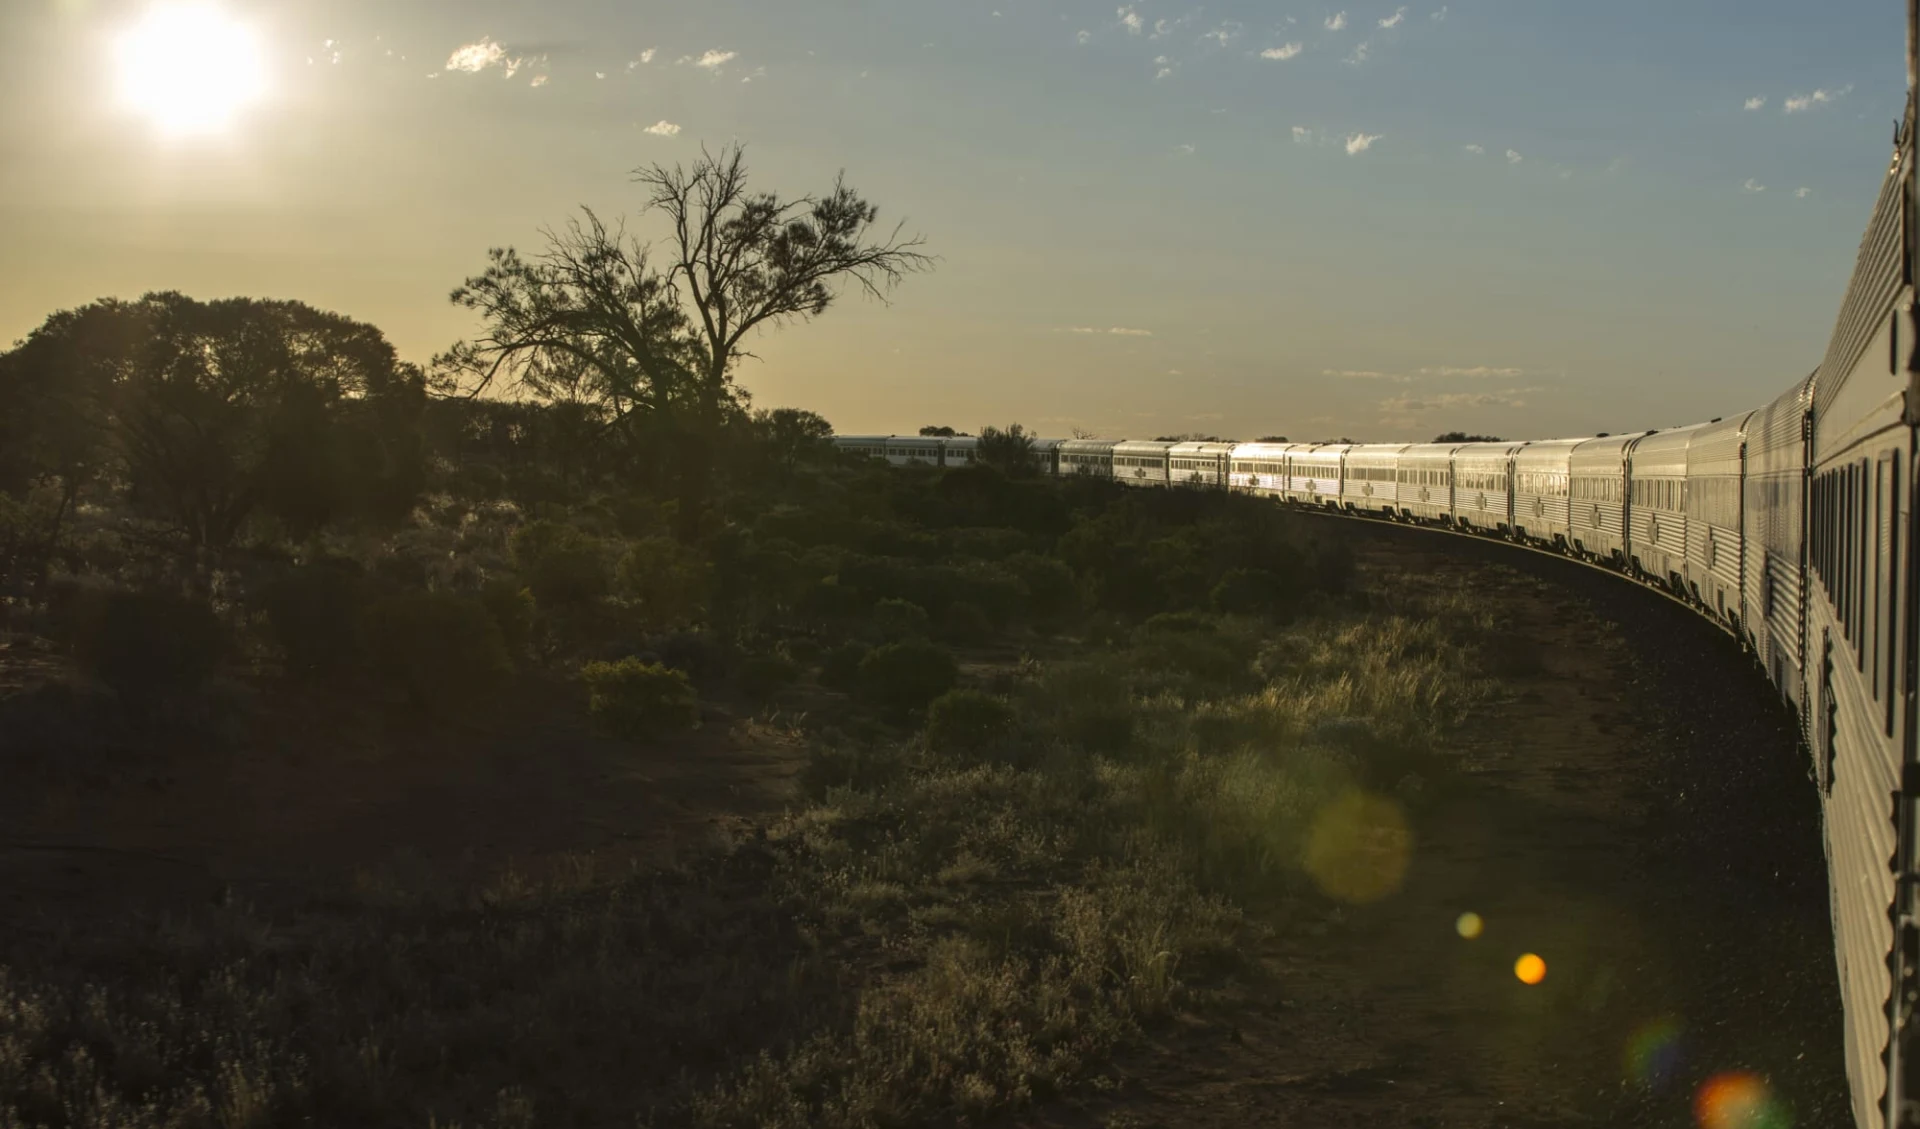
column 636, row 700
column 967, row 721
column 906, row 676
column 443, row 650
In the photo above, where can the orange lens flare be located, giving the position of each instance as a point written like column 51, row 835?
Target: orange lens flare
column 1530, row 969
column 1738, row 1100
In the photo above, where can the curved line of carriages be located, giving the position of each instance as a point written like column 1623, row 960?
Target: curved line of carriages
column 1697, row 513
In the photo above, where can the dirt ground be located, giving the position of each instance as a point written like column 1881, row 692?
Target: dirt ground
column 1633, row 810
column 1636, row 813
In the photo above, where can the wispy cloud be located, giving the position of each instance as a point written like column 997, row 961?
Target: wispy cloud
column 1514, row 157
column 1302, row 135
column 1414, row 402
column 1474, row 371
column 1081, row 37
column 1115, row 331
column 1439, row 15
column 1476, row 150
column 1185, row 148
column 1757, row 102
column 1337, row 22
column 472, row 58
column 1802, row 193
column 1360, row 142
column 1284, row 51
column 663, row 128
column 1130, row 19
column 1359, row 54
column 1165, row 68
column 1365, row 374
column 1800, row 102
column 713, row 59
column 1395, row 19
column 1226, row 33
column 538, row 80
column 1753, row 185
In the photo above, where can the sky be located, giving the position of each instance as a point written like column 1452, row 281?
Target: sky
column 1378, row 221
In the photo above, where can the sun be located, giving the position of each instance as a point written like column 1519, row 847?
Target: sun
column 188, row 68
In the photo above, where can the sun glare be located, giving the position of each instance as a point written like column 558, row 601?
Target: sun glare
column 189, row 68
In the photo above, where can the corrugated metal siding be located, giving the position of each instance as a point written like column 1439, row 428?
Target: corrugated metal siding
column 1860, row 837
column 1876, row 279
column 1600, row 526
column 1716, row 545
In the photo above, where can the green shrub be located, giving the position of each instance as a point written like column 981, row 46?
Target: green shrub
column 1251, row 591
column 847, row 764
column 666, row 581
column 443, row 649
column 966, row 720
column 763, row 676
column 636, row 700
column 1053, row 595
column 840, row 667
column 562, row 565
column 906, row 676
column 314, row 613
column 149, row 646
column 965, row 623
column 512, row 608
column 896, row 619
column 1099, row 727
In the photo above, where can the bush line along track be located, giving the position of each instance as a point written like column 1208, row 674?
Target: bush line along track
column 1789, row 525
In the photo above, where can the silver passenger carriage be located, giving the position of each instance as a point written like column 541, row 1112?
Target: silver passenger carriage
column 1542, row 492
column 1086, row 456
column 1260, row 468
column 1141, row 462
column 1657, row 505
column 1313, row 474
column 1716, row 549
column 1483, row 486
column 1775, row 535
column 1859, row 631
column 1200, row 463
column 1371, row 481
column 1597, row 511
column 1046, row 455
column 1426, row 482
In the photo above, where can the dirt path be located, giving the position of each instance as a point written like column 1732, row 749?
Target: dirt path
column 1637, row 814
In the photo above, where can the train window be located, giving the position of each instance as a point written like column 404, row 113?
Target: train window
column 1890, row 612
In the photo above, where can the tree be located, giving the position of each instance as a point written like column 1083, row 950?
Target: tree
column 938, row 432
column 205, row 413
column 1272, row 439
column 742, row 260
column 655, row 346
column 1463, row 437
column 1009, row 451
column 793, row 435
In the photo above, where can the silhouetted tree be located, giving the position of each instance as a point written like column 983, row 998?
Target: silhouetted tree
column 662, row 341
column 1273, row 439
column 938, row 432
column 205, row 413
column 1463, row 437
column 793, row 435
column 1009, row 451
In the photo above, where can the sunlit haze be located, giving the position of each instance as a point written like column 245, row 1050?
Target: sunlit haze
column 188, row 69
column 1382, row 221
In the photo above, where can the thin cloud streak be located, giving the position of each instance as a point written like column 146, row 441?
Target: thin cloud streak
column 1285, row 51
column 1360, row 142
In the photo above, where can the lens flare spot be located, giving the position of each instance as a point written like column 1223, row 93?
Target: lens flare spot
column 1469, row 925
column 1358, row 849
column 1738, row 1100
column 1653, row 1053
column 1530, row 969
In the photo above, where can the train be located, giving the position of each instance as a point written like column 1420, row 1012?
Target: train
column 1789, row 525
